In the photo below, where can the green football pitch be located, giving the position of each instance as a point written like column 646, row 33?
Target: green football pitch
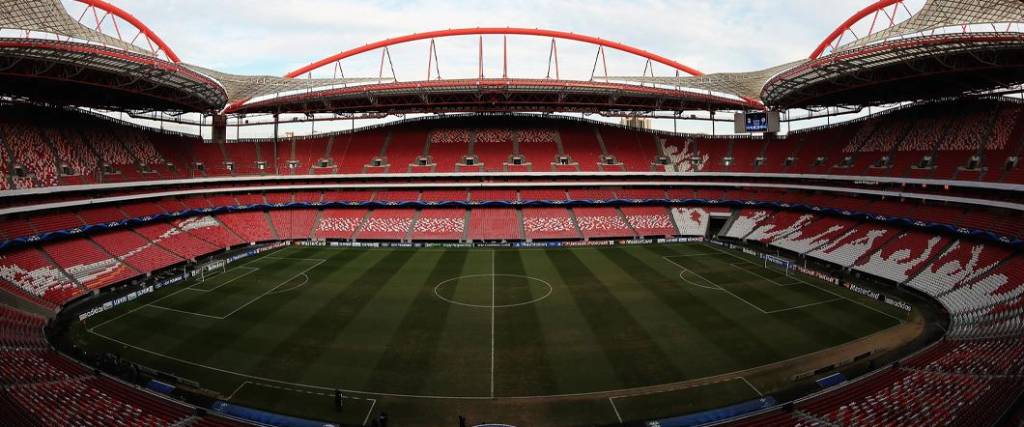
column 577, row 336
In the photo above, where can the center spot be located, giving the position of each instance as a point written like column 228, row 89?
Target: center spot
column 493, row 290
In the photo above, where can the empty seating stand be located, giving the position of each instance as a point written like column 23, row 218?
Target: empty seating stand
column 549, row 223
column 599, row 223
column 494, row 224
column 440, row 225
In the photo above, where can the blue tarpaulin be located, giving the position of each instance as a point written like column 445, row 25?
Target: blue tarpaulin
column 713, row 415
column 264, row 417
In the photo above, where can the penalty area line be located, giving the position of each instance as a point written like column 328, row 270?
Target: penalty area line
column 901, row 321
column 615, row 408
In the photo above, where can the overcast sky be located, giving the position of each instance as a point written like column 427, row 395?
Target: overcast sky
column 276, row 36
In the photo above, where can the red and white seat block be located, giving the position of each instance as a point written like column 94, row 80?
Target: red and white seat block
column 746, row 221
column 339, row 223
column 387, row 224
column 779, row 225
column 650, row 221
column 961, row 263
column 814, row 235
column 90, row 266
column 602, row 223
column 209, row 229
column 845, row 251
column 440, row 224
column 549, row 223
column 903, row 257
column 29, row 270
column 692, row 221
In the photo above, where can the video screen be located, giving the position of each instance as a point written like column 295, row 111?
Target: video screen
column 757, row 122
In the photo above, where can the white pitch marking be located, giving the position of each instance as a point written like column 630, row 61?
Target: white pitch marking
column 251, row 270
column 815, row 286
column 184, row 312
column 739, row 266
column 615, row 408
column 494, row 278
column 752, row 386
column 321, row 261
column 373, row 403
column 722, row 288
column 153, row 304
column 805, row 305
column 304, row 282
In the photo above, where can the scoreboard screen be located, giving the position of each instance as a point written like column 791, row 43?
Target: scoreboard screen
column 756, row 122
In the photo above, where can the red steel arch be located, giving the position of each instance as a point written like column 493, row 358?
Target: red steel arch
column 494, row 31
column 127, row 17
column 846, row 25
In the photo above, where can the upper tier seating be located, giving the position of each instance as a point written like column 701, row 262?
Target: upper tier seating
column 406, row 146
column 580, row 143
column 448, row 147
column 635, row 150
column 30, row 150
column 984, row 128
column 539, row 147
column 493, row 147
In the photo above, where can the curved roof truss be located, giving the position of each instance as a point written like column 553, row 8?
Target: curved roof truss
column 99, row 22
column 494, row 31
column 890, row 19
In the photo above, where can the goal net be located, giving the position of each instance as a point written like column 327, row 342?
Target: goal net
column 211, row 269
column 782, row 263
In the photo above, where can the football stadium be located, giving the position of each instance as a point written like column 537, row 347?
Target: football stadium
column 836, row 240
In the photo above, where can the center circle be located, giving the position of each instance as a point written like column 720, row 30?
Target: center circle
column 513, row 288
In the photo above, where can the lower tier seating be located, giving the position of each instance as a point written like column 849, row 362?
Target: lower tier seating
column 39, row 387
column 440, row 224
column 650, row 221
column 549, row 223
column 692, row 221
column 338, row 223
column 602, row 223
column 494, row 224
column 250, row 226
column 387, row 224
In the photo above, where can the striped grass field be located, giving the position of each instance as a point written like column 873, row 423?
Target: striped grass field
column 512, row 335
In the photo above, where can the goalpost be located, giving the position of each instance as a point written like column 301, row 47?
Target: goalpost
column 785, row 264
column 211, row 269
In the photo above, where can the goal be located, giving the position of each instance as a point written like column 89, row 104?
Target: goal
column 782, row 263
column 211, row 269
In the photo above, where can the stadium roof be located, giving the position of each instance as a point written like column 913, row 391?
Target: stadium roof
column 948, row 47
